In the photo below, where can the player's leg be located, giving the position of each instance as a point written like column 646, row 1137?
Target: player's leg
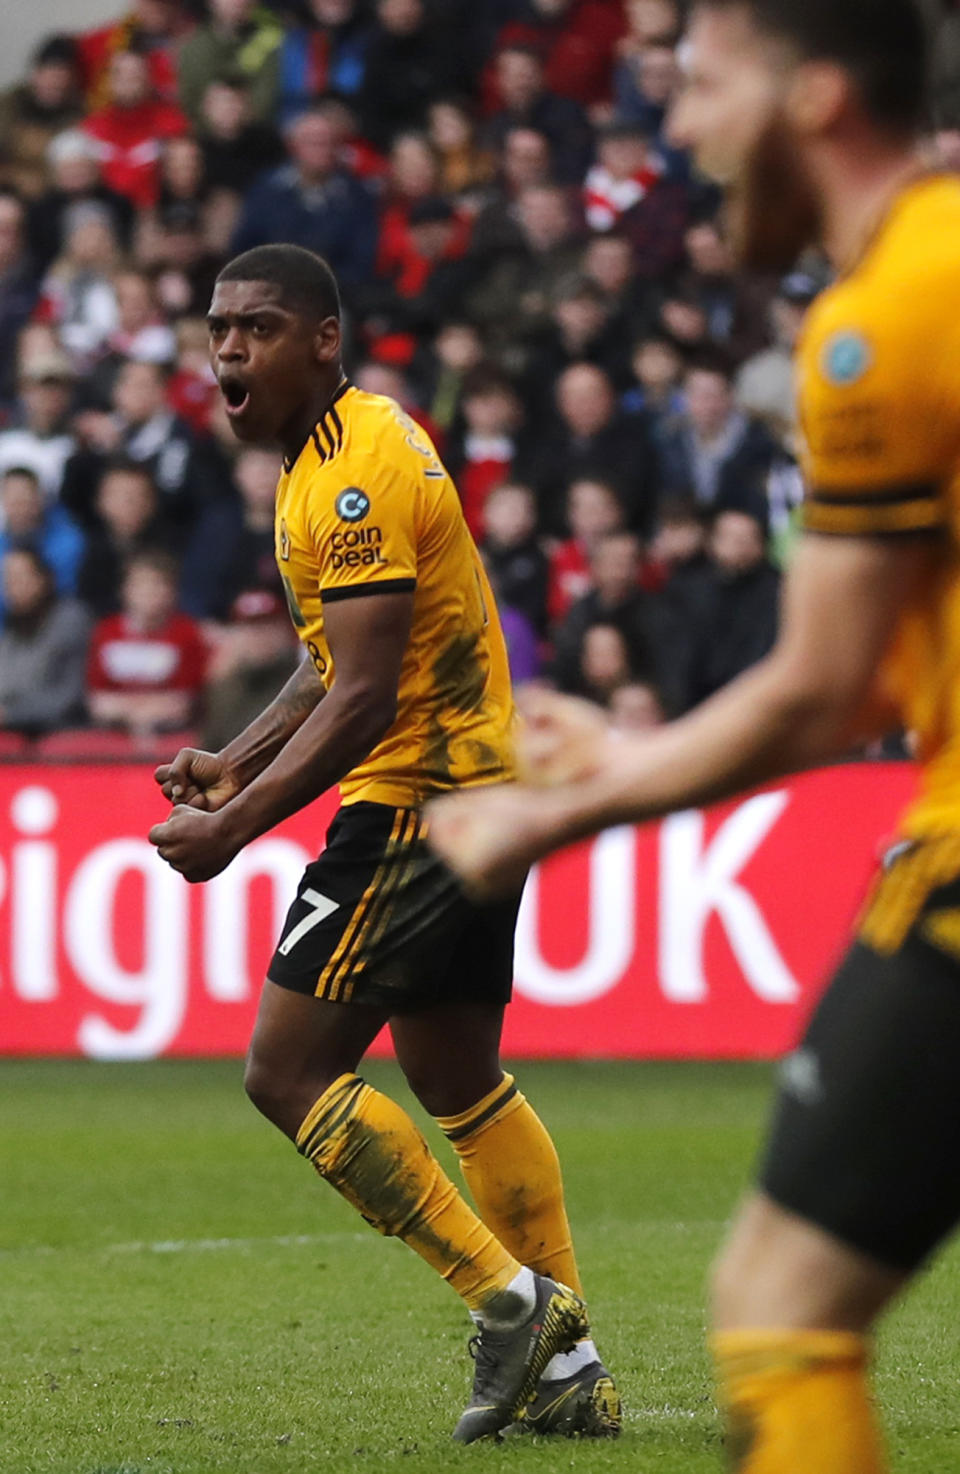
column 301, row 1075
column 339, row 963
column 854, row 1198
column 792, row 1310
column 450, row 1054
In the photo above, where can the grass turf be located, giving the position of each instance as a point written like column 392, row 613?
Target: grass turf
column 180, row 1296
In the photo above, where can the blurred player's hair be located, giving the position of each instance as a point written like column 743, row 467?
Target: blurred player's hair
column 884, row 44
column 306, row 282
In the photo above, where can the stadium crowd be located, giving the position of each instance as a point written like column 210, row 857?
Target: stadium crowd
column 528, row 266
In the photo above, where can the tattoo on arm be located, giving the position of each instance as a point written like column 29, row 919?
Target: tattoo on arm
column 258, row 745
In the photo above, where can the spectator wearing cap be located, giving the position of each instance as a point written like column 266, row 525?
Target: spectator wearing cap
column 592, row 438
column 130, row 127
column 28, row 518
column 327, row 54
column 43, row 647
column 34, row 111
column 765, row 386
column 154, row 27
column 257, row 656
column 236, row 145
column 311, row 201
column 18, row 285
column 147, row 664
column 577, row 40
column 525, row 101
column 75, row 179
column 240, row 38
column 412, row 58
column 714, row 451
column 42, row 442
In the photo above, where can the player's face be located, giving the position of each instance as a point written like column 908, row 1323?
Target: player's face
column 732, row 113
column 266, row 358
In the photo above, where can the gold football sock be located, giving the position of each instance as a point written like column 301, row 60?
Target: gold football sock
column 368, row 1148
column 797, row 1401
column 513, row 1172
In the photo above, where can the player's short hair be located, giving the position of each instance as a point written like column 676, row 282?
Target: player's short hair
column 306, row 282
column 884, row 44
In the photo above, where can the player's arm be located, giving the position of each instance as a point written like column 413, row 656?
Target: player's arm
column 208, row 780
column 800, row 706
column 367, row 636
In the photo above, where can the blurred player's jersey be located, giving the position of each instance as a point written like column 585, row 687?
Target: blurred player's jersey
column 368, row 508
column 879, row 387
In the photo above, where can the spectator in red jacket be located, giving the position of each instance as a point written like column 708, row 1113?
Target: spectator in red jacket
column 153, row 26
column 593, row 512
column 577, row 40
column 484, row 457
column 147, row 664
column 130, row 127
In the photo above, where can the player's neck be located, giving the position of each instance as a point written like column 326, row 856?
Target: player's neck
column 296, row 433
column 857, row 186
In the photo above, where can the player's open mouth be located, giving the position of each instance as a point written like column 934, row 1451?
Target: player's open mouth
column 236, row 396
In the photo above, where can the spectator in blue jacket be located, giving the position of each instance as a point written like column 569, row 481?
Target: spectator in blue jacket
column 27, row 517
column 312, row 202
column 328, row 54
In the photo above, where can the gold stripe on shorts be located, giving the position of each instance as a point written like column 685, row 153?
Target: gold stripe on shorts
column 359, row 912
column 901, row 892
column 379, row 917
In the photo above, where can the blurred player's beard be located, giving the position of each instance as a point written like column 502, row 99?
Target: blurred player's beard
column 774, row 214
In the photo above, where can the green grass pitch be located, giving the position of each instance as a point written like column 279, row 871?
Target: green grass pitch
column 179, row 1295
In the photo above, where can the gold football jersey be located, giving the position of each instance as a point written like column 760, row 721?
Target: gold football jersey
column 879, row 386
column 368, row 508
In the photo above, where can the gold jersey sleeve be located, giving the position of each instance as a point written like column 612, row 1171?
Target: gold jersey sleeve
column 368, row 509
column 879, row 377
column 879, row 401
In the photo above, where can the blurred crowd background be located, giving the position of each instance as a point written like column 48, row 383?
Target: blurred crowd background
column 528, row 266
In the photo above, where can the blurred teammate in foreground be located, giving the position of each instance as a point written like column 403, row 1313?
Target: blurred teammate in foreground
column 809, row 111
column 405, row 694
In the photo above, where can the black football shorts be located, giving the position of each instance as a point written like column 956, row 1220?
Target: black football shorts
column 865, row 1140
column 380, row 920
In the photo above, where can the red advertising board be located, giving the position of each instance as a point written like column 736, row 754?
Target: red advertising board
column 706, row 935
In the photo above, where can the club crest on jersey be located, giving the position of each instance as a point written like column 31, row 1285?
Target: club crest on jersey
column 846, row 357
column 352, row 505
column 284, row 541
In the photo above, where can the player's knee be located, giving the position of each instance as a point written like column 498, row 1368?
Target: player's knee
column 266, row 1089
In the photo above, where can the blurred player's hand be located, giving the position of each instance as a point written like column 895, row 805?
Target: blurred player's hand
column 197, row 844
column 201, row 780
column 491, row 836
column 562, row 740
